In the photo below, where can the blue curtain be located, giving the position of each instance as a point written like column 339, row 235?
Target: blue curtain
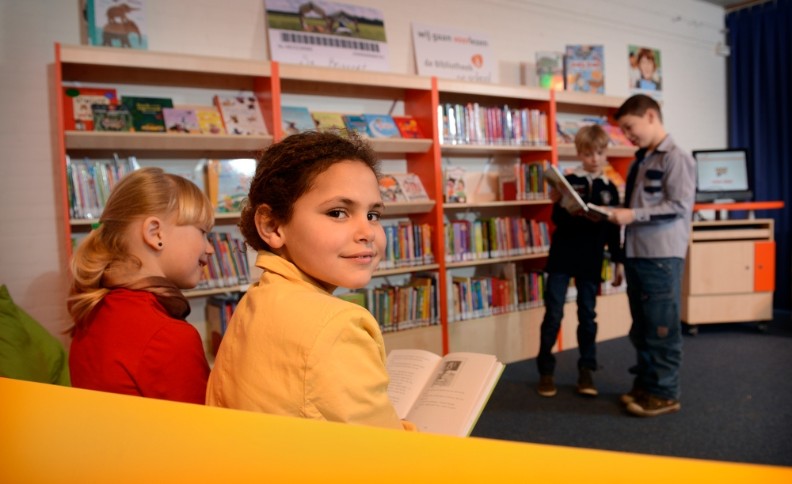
column 760, row 109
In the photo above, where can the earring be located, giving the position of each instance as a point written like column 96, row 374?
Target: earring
column 159, row 244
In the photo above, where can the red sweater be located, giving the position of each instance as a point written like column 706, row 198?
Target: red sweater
column 132, row 346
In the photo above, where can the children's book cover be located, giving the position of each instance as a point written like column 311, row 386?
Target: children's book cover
column 381, row 126
column 584, row 68
column 408, row 127
column 327, row 121
column 78, row 102
column 209, row 119
column 146, row 112
column 455, row 191
column 112, row 117
column 550, row 70
column 390, row 189
column 115, row 23
column 616, row 135
column 645, row 71
column 228, row 182
column 356, row 123
column 180, row 120
column 241, row 114
column 411, row 186
column 296, row 119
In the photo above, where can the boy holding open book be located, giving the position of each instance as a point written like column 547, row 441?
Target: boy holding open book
column 577, row 251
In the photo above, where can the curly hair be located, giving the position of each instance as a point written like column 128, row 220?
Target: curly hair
column 287, row 169
column 142, row 193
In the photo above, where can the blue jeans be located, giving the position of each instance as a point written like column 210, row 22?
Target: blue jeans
column 554, row 297
column 654, row 290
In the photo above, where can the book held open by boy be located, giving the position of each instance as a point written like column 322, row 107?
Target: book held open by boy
column 441, row 395
column 570, row 200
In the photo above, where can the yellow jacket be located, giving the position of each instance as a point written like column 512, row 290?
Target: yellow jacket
column 292, row 348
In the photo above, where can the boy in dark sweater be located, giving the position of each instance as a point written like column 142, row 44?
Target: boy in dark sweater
column 577, row 251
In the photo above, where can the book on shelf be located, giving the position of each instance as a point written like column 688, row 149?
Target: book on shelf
column 111, row 23
column 296, row 119
column 616, row 135
column 146, row 112
column 228, row 182
column 411, row 187
column 356, row 123
column 219, row 308
column 390, row 189
column 550, row 70
column 408, row 127
column 570, row 199
column 455, row 191
column 568, row 125
column 208, row 117
column 329, row 121
column 78, row 103
column 180, row 120
column 91, row 181
column 584, row 68
column 441, row 395
column 381, row 126
column 241, row 114
column 112, row 117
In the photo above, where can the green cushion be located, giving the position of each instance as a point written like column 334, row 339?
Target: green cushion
column 27, row 350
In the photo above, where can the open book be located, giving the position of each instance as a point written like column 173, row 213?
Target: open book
column 570, row 200
column 441, row 395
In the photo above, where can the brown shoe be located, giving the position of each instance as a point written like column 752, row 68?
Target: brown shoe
column 585, row 384
column 652, row 406
column 633, row 395
column 546, row 387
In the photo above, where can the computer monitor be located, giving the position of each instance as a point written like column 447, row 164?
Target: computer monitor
column 723, row 175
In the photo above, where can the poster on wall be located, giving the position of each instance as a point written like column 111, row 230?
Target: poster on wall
column 116, row 23
column 584, row 68
column 453, row 54
column 645, row 71
column 327, row 34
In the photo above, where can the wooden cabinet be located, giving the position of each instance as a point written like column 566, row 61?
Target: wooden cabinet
column 730, row 272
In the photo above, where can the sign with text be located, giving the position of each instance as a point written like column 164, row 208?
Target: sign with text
column 453, row 54
column 327, row 34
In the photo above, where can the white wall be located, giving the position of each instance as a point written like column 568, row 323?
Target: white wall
column 32, row 260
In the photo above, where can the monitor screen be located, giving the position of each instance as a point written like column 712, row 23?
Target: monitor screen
column 723, row 175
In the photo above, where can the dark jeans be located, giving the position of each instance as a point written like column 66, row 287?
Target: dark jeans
column 654, row 290
column 554, row 298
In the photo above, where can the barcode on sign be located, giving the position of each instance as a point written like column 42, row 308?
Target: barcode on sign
column 329, row 41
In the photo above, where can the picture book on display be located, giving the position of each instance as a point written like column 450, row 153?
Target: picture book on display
column 114, row 23
column 146, row 112
column 570, row 199
column 209, row 119
column 441, row 395
column 381, row 126
column 356, row 123
column 228, row 182
column 455, row 191
column 327, row 121
column 411, row 187
column 584, row 68
column 241, row 114
column 296, row 119
column 180, row 120
column 78, row 102
column 550, row 70
column 408, row 127
column 112, row 117
column 390, row 189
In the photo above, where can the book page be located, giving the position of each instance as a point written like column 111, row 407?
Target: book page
column 571, row 201
column 456, row 394
column 409, row 370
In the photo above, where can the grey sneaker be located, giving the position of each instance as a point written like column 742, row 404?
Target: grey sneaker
column 546, row 387
column 652, row 406
column 585, row 383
